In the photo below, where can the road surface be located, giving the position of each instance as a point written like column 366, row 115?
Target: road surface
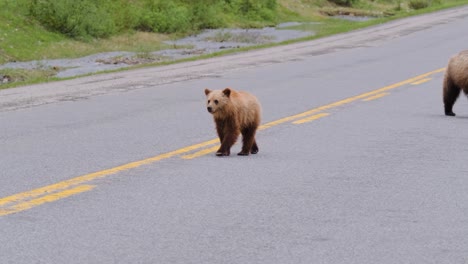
column 357, row 162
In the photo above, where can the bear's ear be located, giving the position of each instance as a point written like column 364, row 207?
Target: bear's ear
column 227, row 92
column 207, row 91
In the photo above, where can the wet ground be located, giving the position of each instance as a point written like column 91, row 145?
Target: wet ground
column 209, row 41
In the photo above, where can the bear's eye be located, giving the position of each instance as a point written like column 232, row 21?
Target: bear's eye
column 216, row 101
column 208, row 101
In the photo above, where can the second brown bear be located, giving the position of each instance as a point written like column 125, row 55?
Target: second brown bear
column 455, row 80
column 234, row 113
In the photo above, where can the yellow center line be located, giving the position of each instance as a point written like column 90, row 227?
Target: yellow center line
column 377, row 96
column 17, row 202
column 421, row 81
column 310, row 118
column 96, row 175
column 201, row 153
column 348, row 100
column 44, row 199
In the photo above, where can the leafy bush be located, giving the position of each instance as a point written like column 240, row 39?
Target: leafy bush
column 254, row 9
column 101, row 18
column 208, row 15
column 418, row 4
column 75, row 18
column 165, row 17
column 344, row 2
column 125, row 15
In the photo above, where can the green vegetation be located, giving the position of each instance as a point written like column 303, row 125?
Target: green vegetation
column 50, row 29
column 418, row 4
column 21, row 75
column 37, row 29
column 85, row 19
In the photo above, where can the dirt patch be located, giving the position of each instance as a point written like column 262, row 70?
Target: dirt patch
column 135, row 60
column 351, row 14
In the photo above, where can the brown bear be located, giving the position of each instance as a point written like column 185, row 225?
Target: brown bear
column 234, row 113
column 455, row 80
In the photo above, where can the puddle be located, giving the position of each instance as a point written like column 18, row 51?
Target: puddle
column 209, row 41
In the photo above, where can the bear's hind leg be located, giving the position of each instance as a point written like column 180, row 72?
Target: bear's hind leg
column 248, row 141
column 451, row 93
column 254, row 149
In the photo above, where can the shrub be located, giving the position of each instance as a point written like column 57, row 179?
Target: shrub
column 167, row 17
column 75, row 18
column 84, row 19
column 208, row 14
column 254, row 9
column 125, row 15
column 418, row 4
column 344, row 2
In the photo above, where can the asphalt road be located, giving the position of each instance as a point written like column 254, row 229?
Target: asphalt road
column 357, row 162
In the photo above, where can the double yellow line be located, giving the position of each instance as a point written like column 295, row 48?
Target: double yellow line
column 29, row 199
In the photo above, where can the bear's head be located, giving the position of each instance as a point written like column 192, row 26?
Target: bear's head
column 217, row 100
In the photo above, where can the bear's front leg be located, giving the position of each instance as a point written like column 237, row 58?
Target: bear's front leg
column 225, row 148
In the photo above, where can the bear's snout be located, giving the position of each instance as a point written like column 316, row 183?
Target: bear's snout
column 210, row 109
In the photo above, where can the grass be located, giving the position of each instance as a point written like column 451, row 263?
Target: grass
column 130, row 41
column 23, row 39
column 15, row 76
column 20, row 47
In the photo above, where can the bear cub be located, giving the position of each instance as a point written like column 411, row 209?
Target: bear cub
column 234, row 113
column 455, row 80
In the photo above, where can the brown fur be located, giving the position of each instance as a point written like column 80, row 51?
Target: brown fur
column 455, row 80
column 234, row 113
